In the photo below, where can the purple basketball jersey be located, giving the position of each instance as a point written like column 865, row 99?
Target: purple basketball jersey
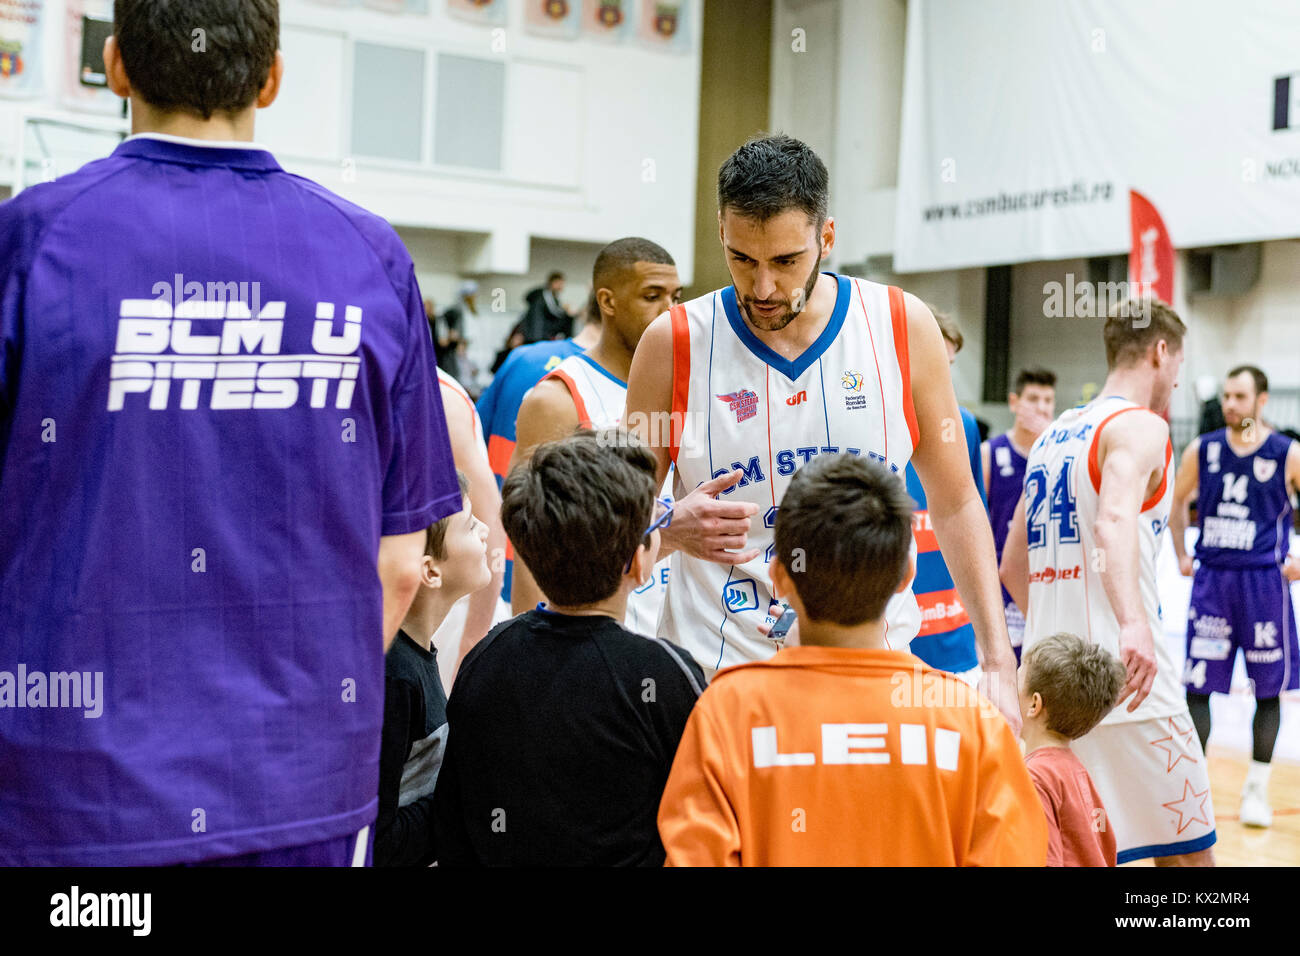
column 217, row 392
column 1242, row 503
column 1006, row 485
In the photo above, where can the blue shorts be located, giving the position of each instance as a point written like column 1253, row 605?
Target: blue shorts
column 1247, row 608
column 353, row 849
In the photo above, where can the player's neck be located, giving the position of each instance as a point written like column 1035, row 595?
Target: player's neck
column 868, row 636
column 1236, row 436
column 588, row 337
column 1133, row 384
column 1022, row 439
column 427, row 613
column 227, row 127
column 1036, row 736
column 611, row 354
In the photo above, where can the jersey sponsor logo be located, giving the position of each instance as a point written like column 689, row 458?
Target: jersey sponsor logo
column 923, row 532
column 863, row 744
column 1209, row 626
column 1051, row 575
column 740, row 596
column 798, row 398
column 1212, row 452
column 1210, row 648
column 1264, row 469
column 1002, row 455
column 941, row 612
column 852, row 381
column 236, row 353
column 786, row 463
column 1237, row 534
column 552, row 362
column 1264, row 657
column 744, row 403
column 1265, row 634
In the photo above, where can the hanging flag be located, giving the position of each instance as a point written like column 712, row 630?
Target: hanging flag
column 1151, row 254
column 553, row 18
column 479, row 11
column 663, row 25
column 606, row 19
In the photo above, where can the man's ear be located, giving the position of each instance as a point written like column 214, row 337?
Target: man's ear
column 781, row 583
column 828, row 236
column 114, row 69
column 605, row 300
column 271, row 88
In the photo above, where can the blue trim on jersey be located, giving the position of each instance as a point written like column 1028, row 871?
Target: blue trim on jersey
column 821, row 374
column 713, row 334
column 602, row 370
column 722, row 599
column 791, row 370
column 1167, row 849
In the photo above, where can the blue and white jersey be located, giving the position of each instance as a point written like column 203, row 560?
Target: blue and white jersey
column 1242, row 503
column 744, row 406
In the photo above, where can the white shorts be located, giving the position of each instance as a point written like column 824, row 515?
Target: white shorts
column 1154, row 785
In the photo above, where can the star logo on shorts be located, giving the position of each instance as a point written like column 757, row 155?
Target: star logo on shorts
column 1167, row 745
column 1190, row 807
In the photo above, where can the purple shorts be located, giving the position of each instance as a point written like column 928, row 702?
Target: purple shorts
column 1248, row 608
column 354, row 849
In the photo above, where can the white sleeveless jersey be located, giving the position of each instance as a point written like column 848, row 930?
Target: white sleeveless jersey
column 744, row 406
column 1062, row 481
column 600, row 399
column 446, row 381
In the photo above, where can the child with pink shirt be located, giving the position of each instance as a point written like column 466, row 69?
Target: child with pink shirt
column 1066, row 687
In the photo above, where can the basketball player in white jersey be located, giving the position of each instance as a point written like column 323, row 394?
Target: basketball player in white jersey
column 474, row 616
column 633, row 280
column 1080, row 557
column 756, row 379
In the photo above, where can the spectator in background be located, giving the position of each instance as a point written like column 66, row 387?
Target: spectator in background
column 947, row 637
column 451, row 329
column 546, row 318
column 1207, row 390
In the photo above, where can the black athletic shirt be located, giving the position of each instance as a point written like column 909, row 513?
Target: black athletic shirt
column 562, row 733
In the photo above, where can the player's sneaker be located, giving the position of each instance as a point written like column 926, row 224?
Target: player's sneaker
column 1255, row 811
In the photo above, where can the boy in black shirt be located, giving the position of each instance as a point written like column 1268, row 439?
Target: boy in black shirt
column 415, row 706
column 563, row 723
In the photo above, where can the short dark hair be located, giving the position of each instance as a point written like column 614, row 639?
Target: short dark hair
column 949, row 327
column 1261, row 380
column 435, row 536
column 160, row 49
column 1079, row 682
column 1034, row 376
column 1134, row 325
column 577, row 511
column 771, row 174
column 623, row 254
column 844, row 534
column 554, row 276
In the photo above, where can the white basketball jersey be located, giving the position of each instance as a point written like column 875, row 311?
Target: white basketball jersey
column 1062, row 481
column 446, row 381
column 743, row 406
column 600, row 399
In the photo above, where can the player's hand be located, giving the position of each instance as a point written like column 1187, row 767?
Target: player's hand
column 999, row 686
column 1291, row 568
column 1137, row 652
column 774, row 612
column 1185, row 566
column 707, row 528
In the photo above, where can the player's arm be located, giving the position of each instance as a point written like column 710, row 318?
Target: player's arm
column 1131, row 451
column 961, row 525
column 702, row 525
column 1291, row 566
column 697, row 823
column 1014, row 569
column 984, row 462
column 485, row 503
column 1185, row 484
column 547, row 414
column 399, row 575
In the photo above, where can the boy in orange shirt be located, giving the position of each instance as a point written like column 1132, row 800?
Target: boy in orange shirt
column 841, row 751
column 1067, row 686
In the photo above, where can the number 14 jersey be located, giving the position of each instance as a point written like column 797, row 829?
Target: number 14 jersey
column 1062, row 481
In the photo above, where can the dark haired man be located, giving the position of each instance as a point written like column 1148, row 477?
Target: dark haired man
column 249, row 449
column 546, row 318
column 842, row 752
column 633, row 281
column 1081, row 556
column 1033, row 404
column 1243, row 476
column 563, row 724
column 786, row 364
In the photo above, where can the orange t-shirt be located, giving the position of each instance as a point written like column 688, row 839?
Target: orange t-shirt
column 845, row 757
column 1077, row 834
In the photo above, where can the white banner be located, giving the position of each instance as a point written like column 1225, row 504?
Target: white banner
column 1026, row 122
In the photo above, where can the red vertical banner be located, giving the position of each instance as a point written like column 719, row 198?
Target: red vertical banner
column 1151, row 254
